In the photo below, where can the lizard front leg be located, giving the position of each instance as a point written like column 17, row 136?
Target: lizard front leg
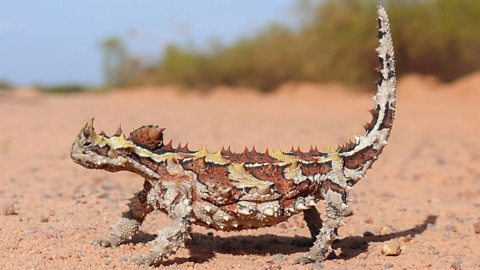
column 322, row 247
column 126, row 227
column 170, row 238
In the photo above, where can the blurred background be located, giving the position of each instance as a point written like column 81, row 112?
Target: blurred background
column 55, row 46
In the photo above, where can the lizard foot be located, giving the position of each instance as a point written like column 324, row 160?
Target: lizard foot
column 147, row 260
column 306, row 260
column 317, row 264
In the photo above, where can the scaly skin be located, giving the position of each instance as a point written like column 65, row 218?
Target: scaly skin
column 230, row 191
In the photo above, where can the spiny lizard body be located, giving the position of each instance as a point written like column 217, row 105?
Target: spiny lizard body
column 234, row 191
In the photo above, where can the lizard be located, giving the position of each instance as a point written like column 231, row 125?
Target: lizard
column 231, row 191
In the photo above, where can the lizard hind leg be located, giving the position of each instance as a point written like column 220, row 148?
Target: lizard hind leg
column 322, row 247
column 126, row 227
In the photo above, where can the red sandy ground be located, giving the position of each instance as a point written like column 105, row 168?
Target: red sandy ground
column 426, row 184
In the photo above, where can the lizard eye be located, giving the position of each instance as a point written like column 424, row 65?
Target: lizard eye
column 87, row 144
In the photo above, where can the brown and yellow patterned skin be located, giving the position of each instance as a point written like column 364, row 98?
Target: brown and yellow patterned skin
column 234, row 191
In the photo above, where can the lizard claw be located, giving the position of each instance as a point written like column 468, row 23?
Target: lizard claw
column 109, row 241
column 304, row 260
column 317, row 264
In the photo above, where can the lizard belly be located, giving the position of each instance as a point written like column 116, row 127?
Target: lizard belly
column 243, row 209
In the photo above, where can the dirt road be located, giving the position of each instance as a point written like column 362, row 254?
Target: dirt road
column 423, row 194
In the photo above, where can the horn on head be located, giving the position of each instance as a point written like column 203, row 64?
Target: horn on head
column 89, row 130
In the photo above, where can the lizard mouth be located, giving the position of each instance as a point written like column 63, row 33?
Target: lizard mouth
column 83, row 157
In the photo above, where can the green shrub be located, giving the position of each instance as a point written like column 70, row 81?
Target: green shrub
column 334, row 42
column 63, row 88
column 4, row 85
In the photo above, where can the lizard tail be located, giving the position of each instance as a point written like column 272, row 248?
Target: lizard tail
column 359, row 156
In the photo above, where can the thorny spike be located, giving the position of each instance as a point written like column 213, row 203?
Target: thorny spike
column 347, row 146
column 185, row 148
column 89, row 127
column 169, row 146
column 368, row 126
column 226, row 152
column 245, row 154
column 119, row 131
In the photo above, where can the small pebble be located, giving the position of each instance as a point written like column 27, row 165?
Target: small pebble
column 407, row 239
column 103, row 255
column 347, row 212
column 44, row 219
column 388, row 265
column 391, row 248
column 476, row 227
column 9, row 210
column 102, row 195
column 368, row 220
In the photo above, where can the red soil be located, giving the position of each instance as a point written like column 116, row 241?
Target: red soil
column 425, row 185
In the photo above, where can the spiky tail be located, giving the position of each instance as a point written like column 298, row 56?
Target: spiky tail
column 359, row 156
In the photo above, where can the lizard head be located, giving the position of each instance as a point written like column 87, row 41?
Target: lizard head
column 116, row 152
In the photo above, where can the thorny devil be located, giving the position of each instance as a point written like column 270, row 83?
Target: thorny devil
column 235, row 191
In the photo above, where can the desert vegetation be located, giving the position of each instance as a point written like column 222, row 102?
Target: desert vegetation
column 333, row 40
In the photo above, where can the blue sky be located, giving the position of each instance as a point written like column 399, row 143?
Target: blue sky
column 54, row 41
